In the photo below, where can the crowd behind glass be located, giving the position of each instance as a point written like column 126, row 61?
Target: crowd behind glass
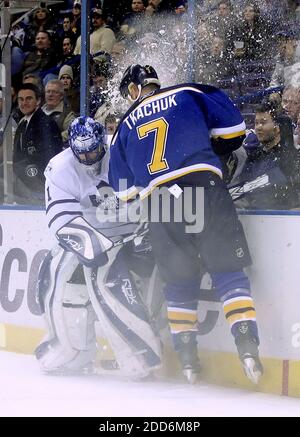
column 248, row 49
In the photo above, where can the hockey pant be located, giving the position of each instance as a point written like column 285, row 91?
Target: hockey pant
column 70, row 310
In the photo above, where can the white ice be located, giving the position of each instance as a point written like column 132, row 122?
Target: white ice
column 26, row 392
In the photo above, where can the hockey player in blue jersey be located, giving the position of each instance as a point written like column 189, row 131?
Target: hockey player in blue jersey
column 172, row 139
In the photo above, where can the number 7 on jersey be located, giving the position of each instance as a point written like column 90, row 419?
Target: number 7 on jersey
column 160, row 128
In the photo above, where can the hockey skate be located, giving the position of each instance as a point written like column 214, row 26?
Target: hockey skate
column 247, row 346
column 186, row 348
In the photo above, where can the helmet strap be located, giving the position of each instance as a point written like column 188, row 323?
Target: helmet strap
column 131, row 100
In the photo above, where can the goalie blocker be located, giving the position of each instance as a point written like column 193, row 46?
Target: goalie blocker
column 109, row 296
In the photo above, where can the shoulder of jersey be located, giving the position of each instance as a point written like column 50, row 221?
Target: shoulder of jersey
column 60, row 163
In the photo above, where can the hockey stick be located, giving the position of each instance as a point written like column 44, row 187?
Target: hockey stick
column 239, row 190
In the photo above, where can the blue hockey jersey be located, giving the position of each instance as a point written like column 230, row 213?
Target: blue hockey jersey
column 168, row 134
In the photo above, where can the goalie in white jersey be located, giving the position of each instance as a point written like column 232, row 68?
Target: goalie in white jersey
column 79, row 201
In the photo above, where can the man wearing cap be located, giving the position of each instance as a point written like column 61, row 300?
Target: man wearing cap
column 102, row 38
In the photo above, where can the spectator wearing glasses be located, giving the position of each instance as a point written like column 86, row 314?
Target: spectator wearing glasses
column 56, row 108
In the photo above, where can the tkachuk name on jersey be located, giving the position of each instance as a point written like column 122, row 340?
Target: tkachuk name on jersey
column 149, row 109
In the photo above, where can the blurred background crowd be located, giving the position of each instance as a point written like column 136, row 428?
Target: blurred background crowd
column 249, row 49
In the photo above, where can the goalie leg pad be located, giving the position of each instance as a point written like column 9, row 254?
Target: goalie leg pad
column 123, row 317
column 71, row 342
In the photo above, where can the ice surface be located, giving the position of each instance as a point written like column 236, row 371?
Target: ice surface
column 28, row 393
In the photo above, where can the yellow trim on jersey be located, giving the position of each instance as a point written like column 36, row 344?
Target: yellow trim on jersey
column 229, row 136
column 178, row 174
column 225, row 132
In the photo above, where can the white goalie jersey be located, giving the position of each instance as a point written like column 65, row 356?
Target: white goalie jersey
column 73, row 189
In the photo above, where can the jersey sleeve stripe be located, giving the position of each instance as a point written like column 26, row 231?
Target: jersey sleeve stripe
column 222, row 131
column 64, row 213
column 233, row 135
column 56, row 202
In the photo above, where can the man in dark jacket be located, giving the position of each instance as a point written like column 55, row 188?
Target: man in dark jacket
column 43, row 58
column 275, row 158
column 37, row 140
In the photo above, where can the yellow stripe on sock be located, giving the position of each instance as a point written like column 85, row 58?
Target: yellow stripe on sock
column 174, row 315
column 248, row 315
column 240, row 304
column 179, row 327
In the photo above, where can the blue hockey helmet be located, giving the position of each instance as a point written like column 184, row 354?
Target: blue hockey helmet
column 140, row 76
column 87, row 140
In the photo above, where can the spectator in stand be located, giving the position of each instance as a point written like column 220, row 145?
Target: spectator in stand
column 36, row 141
column 65, row 75
column 158, row 6
column 153, row 7
column 102, row 39
column 66, row 30
column 67, row 51
column 291, row 103
column 42, row 21
column 288, row 56
column 273, row 158
column 222, row 21
column 291, row 106
column 111, row 123
column 216, row 65
column 253, row 37
column 133, row 24
column 76, row 19
column 115, row 12
column 42, row 58
column 57, row 108
column 35, row 79
column 181, row 6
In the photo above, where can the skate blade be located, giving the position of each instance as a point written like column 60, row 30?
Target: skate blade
column 251, row 370
column 190, row 376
